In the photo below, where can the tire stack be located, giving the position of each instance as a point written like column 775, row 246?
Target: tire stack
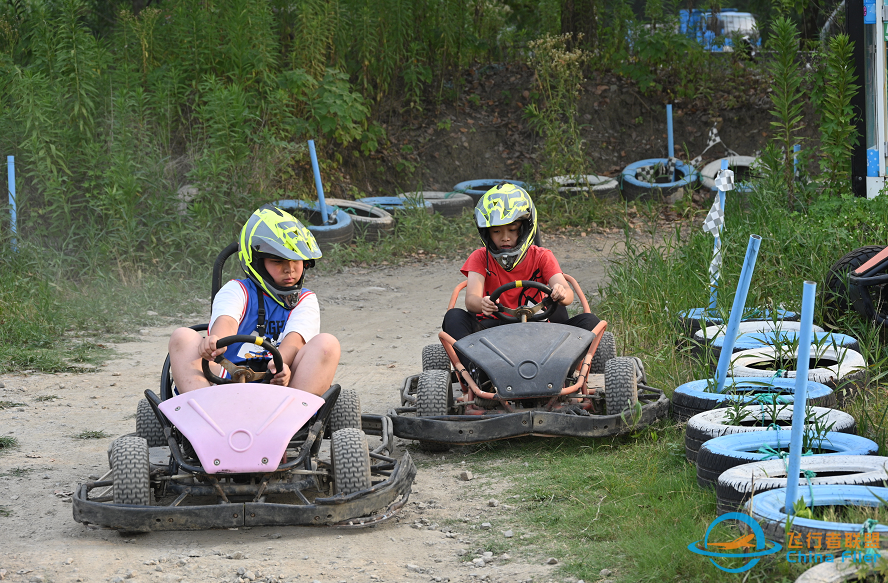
column 371, row 223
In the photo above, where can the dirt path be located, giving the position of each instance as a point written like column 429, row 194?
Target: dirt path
column 382, row 317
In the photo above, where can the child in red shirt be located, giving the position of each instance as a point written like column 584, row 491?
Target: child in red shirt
column 507, row 222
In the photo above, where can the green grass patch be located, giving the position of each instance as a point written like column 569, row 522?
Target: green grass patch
column 7, row 443
column 46, row 398
column 11, row 404
column 5, row 512
column 100, row 434
column 17, row 472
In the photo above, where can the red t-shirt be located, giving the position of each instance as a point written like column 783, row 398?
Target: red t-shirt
column 539, row 264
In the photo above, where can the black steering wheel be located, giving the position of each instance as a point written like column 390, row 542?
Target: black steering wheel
column 536, row 313
column 242, row 374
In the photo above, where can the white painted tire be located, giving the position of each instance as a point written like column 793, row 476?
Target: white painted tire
column 735, row 485
column 836, row 572
column 709, row 172
column 851, row 366
column 448, row 204
column 710, row 333
column 588, row 183
column 713, row 423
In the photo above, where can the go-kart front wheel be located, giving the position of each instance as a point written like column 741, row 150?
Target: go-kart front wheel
column 620, row 385
column 433, row 393
column 147, row 425
column 350, row 456
column 129, row 460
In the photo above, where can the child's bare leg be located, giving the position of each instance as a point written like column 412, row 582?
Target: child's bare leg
column 315, row 364
column 185, row 360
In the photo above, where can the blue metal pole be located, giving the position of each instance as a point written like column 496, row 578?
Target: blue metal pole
column 795, row 160
column 724, row 358
column 669, row 133
column 318, row 185
column 713, row 289
column 13, row 220
column 801, row 388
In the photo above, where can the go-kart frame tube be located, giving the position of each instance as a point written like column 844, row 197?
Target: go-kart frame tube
column 353, row 510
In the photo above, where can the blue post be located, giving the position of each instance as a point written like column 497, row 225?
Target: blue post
column 795, row 160
column 713, row 289
column 669, row 133
column 318, row 185
column 800, row 397
column 724, row 359
column 13, row 221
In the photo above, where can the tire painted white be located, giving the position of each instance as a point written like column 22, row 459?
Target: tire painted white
column 584, row 183
column 712, row 332
column 836, row 572
column 707, row 175
column 771, row 474
column 713, row 423
column 850, row 364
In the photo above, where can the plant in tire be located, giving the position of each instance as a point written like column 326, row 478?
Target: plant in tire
column 350, row 458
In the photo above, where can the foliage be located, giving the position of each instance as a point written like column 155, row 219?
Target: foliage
column 838, row 132
column 786, row 97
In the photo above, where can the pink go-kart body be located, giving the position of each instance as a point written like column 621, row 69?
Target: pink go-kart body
column 240, row 428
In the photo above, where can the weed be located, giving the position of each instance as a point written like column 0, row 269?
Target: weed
column 5, row 512
column 100, row 434
column 444, row 124
column 7, row 442
column 18, row 472
column 11, row 404
column 45, row 398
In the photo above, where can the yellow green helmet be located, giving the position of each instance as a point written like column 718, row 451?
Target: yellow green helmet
column 503, row 204
column 271, row 232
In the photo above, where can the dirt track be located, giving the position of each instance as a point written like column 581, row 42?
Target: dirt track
column 382, row 317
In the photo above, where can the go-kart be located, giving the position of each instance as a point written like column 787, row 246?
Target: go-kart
column 857, row 280
column 526, row 378
column 247, row 453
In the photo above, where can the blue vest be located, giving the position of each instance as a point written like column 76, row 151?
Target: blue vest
column 275, row 320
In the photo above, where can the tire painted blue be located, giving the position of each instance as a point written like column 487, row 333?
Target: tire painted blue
column 394, row 203
column 745, row 389
column 753, row 340
column 744, row 446
column 477, row 188
column 336, row 220
column 688, row 173
column 702, row 315
column 769, row 506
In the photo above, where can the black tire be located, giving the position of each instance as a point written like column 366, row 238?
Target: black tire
column 620, row 385
column 607, row 349
column 434, row 397
column 434, row 357
column 446, row 204
column 369, row 221
column 132, row 475
column 147, row 425
column 728, row 451
column 346, row 412
column 350, row 458
column 734, row 486
column 713, row 423
column 835, row 298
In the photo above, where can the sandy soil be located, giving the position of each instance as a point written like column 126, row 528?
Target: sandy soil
column 382, row 317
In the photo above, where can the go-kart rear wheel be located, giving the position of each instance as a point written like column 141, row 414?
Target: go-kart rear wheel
column 129, row 460
column 346, row 412
column 351, row 461
column 607, row 349
column 147, row 425
column 434, row 357
column 620, row 385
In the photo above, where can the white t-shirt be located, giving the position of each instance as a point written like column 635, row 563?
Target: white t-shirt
column 305, row 318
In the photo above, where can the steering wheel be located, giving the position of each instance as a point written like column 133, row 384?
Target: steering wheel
column 242, row 374
column 536, row 313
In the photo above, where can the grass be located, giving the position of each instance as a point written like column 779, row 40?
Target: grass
column 11, row 404
column 18, row 472
column 5, row 512
column 46, row 398
column 7, row 443
column 100, row 434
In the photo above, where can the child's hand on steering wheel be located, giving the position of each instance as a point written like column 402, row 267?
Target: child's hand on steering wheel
column 207, row 348
column 488, row 307
column 558, row 293
column 280, row 378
